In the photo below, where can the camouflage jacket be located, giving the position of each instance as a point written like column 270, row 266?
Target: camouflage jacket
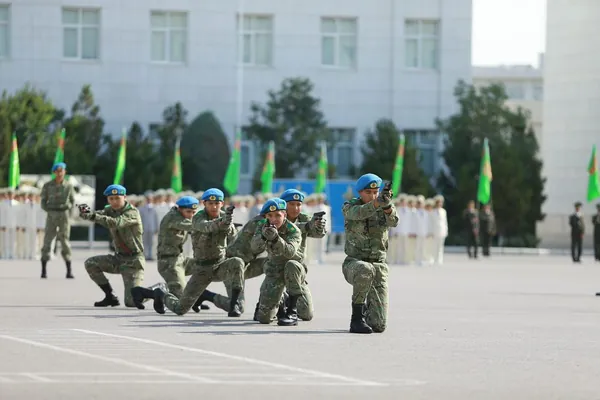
column 366, row 230
column 308, row 230
column 125, row 226
column 172, row 233
column 285, row 248
column 241, row 247
column 57, row 196
column 210, row 237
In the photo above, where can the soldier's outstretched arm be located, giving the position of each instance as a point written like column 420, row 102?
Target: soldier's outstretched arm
column 204, row 226
column 391, row 218
column 358, row 212
column 311, row 229
column 181, row 224
column 258, row 244
column 44, row 200
column 287, row 248
column 126, row 219
column 71, row 199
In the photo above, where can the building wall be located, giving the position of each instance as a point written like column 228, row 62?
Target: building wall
column 129, row 86
column 571, row 118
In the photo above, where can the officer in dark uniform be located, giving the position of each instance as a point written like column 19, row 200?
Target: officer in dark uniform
column 577, row 230
column 487, row 223
column 596, row 223
column 472, row 226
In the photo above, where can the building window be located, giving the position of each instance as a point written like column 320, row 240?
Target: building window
column 255, row 40
column 169, row 37
column 514, row 90
column 538, row 91
column 246, row 158
column 81, row 33
column 426, row 142
column 421, row 42
column 339, row 42
column 4, row 31
column 341, row 156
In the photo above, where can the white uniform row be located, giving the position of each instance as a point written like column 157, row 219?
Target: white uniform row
column 22, row 223
column 421, row 232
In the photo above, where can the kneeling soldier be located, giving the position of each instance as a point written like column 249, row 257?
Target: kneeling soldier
column 125, row 225
column 368, row 219
column 212, row 228
column 282, row 240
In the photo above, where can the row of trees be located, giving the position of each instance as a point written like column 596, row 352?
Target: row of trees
column 293, row 119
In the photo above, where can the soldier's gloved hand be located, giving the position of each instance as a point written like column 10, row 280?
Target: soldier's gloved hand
column 227, row 219
column 270, row 233
column 320, row 224
column 385, row 200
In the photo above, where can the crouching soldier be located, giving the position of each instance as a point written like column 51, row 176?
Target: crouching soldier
column 368, row 219
column 125, row 225
column 212, row 228
column 281, row 239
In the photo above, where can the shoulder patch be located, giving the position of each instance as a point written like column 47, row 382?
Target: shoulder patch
column 106, row 206
column 291, row 227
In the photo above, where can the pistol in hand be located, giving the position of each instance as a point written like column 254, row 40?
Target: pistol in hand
column 229, row 210
column 319, row 215
column 84, row 208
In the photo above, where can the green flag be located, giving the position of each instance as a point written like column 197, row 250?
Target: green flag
column 60, row 149
column 484, row 189
column 398, row 167
column 231, row 182
column 268, row 172
column 321, row 181
column 176, row 178
column 593, row 191
column 14, row 169
column 120, row 170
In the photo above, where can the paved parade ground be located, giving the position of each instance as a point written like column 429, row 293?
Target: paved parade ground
column 510, row 327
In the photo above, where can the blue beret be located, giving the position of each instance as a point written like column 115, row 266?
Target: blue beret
column 187, row 202
column 292, row 195
column 275, row 204
column 115, row 190
column 368, row 181
column 213, row 195
column 59, row 165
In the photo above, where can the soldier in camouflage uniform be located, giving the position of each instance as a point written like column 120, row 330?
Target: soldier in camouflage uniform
column 125, row 226
column 58, row 198
column 213, row 228
column 173, row 265
column 368, row 219
column 282, row 241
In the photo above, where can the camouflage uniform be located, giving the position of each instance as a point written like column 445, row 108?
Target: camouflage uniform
column 303, row 222
column 209, row 239
column 125, row 226
column 240, row 247
column 57, row 200
column 282, row 268
column 365, row 266
column 173, row 266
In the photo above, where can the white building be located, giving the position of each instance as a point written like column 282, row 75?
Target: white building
column 571, row 112
column 524, row 86
column 396, row 59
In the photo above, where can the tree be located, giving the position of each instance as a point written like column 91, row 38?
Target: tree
column 379, row 157
column 517, row 186
column 204, row 153
column 293, row 119
column 174, row 124
column 30, row 114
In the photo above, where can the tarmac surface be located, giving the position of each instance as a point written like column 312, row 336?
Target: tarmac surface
column 508, row 327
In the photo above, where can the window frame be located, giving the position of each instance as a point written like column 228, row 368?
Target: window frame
column 337, row 35
column 414, row 137
column 333, row 157
column 80, row 25
column 242, row 31
column 167, row 30
column 8, row 24
column 420, row 37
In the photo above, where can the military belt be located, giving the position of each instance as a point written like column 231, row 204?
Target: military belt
column 129, row 254
column 214, row 261
column 372, row 260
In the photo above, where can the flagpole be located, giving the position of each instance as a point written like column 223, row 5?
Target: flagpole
column 240, row 66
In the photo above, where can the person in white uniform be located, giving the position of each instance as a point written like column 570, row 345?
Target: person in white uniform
column 150, row 224
column 411, row 230
column 9, row 223
column 440, row 230
column 420, row 230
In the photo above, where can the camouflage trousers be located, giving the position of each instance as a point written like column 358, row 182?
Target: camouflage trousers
column 291, row 275
column 174, row 270
column 57, row 226
column 130, row 268
column 369, row 282
column 230, row 269
column 253, row 269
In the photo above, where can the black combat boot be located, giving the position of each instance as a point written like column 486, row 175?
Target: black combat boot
column 159, row 300
column 139, row 294
column 44, row 275
column 291, row 313
column 207, row 295
column 109, row 299
column 258, row 305
column 69, row 272
column 234, row 306
column 357, row 322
